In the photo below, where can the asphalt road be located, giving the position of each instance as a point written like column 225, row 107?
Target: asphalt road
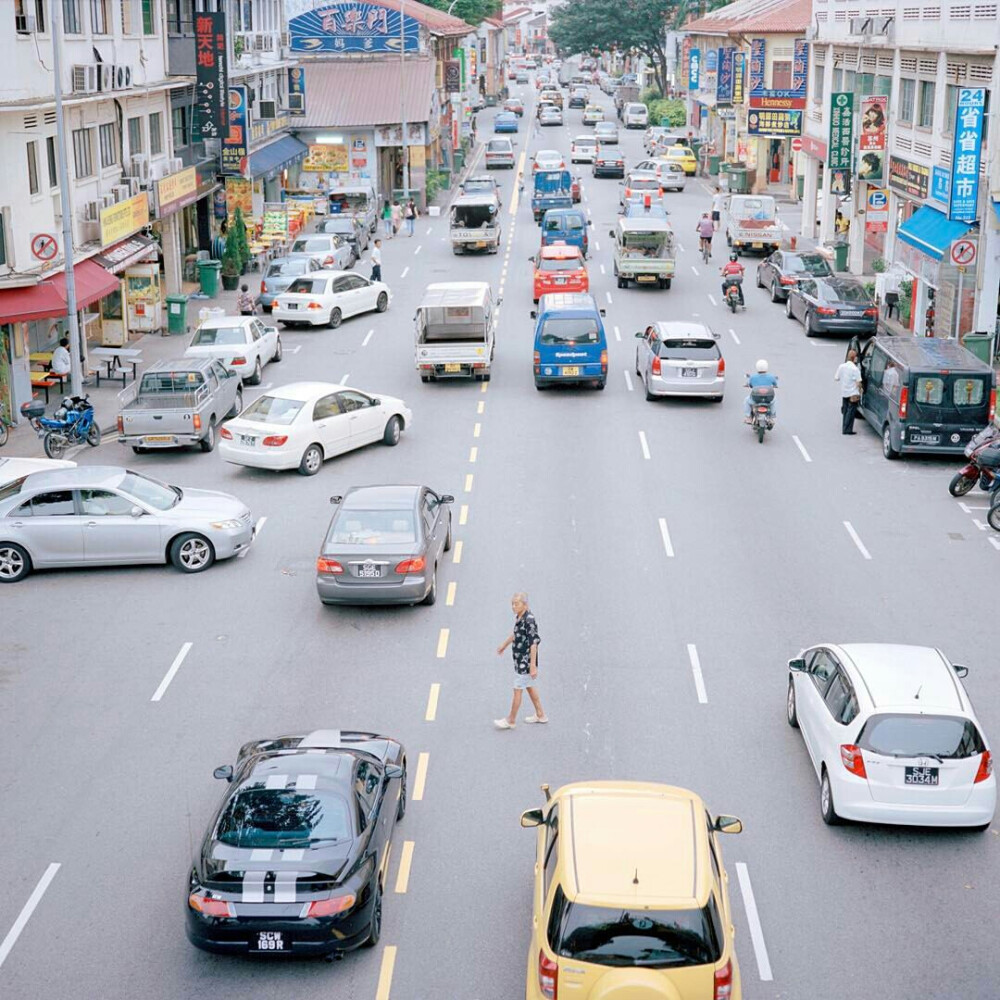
column 706, row 548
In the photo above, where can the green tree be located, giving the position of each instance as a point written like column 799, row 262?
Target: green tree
column 470, row 11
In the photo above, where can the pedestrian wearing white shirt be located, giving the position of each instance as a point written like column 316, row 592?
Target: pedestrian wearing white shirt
column 376, row 261
column 718, row 201
column 60, row 363
column 849, row 377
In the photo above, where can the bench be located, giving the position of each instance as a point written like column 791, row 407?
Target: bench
column 115, row 365
column 40, row 380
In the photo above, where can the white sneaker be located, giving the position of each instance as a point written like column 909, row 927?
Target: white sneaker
column 537, row 718
column 502, row 724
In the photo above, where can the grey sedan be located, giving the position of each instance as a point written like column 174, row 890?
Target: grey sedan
column 349, row 228
column 384, row 545
column 832, row 305
column 107, row 516
column 785, row 268
column 680, row 359
column 280, row 274
column 327, row 249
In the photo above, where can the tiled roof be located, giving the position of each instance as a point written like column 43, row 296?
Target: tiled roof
column 763, row 16
column 509, row 16
column 342, row 93
column 437, row 22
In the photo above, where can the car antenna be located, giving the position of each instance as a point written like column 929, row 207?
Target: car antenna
column 635, row 879
column 916, row 697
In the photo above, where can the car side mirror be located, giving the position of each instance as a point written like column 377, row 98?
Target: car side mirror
column 137, row 512
column 225, row 772
column 335, row 499
column 590, row 222
column 960, row 670
column 602, row 312
column 639, row 334
column 534, row 314
column 797, row 666
column 394, row 771
column 728, row 824
column 447, row 498
column 611, row 233
column 531, row 817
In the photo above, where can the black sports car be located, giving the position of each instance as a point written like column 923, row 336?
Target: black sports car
column 294, row 860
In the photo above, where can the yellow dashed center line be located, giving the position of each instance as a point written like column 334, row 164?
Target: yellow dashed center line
column 405, row 860
column 473, row 453
column 468, row 483
column 463, row 513
column 442, row 643
column 456, row 556
column 421, row 778
column 432, row 703
column 476, row 429
column 483, row 386
column 385, row 973
column 481, row 407
column 450, row 599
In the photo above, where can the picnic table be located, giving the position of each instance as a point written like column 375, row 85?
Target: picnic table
column 41, row 377
column 115, row 360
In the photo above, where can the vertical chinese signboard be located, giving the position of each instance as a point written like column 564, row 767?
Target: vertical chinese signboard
column 211, row 82
column 800, row 68
column 841, row 131
column 296, row 91
column 871, row 137
column 694, row 70
column 964, row 198
column 724, row 83
column 758, row 50
column 739, row 73
column 236, row 141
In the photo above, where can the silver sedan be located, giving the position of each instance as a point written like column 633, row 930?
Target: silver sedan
column 680, row 359
column 107, row 516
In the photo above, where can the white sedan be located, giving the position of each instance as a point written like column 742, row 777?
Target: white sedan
column 324, row 298
column 548, row 159
column 670, row 172
column 15, row 468
column 582, row 149
column 327, row 249
column 301, row 425
column 242, row 343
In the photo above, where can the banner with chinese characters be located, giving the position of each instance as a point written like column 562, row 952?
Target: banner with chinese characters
column 327, row 159
column 724, row 82
column 354, row 27
column 758, row 51
column 840, row 149
column 211, row 82
column 124, row 218
column 963, row 200
column 239, row 195
column 236, row 141
column 739, row 72
column 296, row 91
column 800, row 68
column 764, row 97
column 776, row 123
column 694, row 70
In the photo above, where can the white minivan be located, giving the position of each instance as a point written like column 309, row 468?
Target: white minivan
column 635, row 116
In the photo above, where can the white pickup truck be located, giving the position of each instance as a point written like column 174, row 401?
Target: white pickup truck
column 475, row 223
column 455, row 331
column 752, row 223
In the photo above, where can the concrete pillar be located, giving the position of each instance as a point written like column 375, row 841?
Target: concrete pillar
column 829, row 212
column 810, row 186
column 856, row 234
column 985, row 317
column 173, row 260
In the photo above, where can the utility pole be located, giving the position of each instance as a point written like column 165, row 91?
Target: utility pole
column 75, row 347
column 402, row 98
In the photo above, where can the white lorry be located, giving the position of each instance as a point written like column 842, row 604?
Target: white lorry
column 455, row 330
column 752, row 223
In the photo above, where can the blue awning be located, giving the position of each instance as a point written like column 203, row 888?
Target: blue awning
column 996, row 208
column 272, row 157
column 931, row 231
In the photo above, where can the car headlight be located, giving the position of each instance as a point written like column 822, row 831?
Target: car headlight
column 229, row 525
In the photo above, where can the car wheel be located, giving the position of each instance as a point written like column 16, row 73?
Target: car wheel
column 383, row 302
column 391, row 434
column 237, row 404
column 760, row 284
column 207, row 443
column 788, row 308
column 255, row 378
column 138, row 450
column 447, row 538
column 775, row 297
column 335, row 318
column 649, row 396
column 191, row 553
column 401, row 808
column 312, row 460
column 277, row 350
column 887, row 449
column 375, row 926
column 808, row 324
column 432, row 593
column 15, row 563
column 790, row 714
column 826, row 806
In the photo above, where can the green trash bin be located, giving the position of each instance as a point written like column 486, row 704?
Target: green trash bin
column 208, row 276
column 979, row 344
column 459, row 155
column 840, row 256
column 738, row 181
column 713, row 165
column 177, row 313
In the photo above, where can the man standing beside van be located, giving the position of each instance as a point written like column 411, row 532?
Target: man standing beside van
column 849, row 377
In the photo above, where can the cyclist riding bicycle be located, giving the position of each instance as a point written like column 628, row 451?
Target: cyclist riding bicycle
column 705, row 230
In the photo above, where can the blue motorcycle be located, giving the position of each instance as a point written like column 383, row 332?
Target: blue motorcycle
column 72, row 423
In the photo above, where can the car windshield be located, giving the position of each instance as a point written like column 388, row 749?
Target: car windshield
column 559, row 264
column 307, row 286
column 272, row 410
column 689, row 349
column 372, row 527
column 586, row 140
column 644, row 184
column 339, row 226
column 470, row 187
column 287, row 267
column 921, row 736
column 257, row 816
column 150, row 491
column 620, row 937
column 570, row 330
column 313, row 245
column 497, row 146
column 844, row 291
column 807, row 264
column 219, row 336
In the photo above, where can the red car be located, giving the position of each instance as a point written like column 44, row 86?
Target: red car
column 514, row 104
column 559, row 268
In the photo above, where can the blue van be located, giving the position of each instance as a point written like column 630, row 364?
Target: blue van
column 566, row 225
column 570, row 345
column 551, row 189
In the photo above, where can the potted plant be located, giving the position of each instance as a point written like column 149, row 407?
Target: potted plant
column 239, row 230
column 232, row 263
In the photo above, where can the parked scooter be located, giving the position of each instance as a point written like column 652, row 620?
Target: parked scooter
column 761, row 410
column 977, row 470
column 72, row 423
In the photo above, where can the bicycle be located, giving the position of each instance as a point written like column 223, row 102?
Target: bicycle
column 4, row 432
column 706, row 249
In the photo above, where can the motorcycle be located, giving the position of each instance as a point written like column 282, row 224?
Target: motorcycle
column 72, row 423
column 732, row 293
column 976, row 470
column 761, row 410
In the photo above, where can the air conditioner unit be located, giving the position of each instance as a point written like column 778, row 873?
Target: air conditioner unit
column 176, row 164
column 108, row 200
column 25, row 24
column 122, row 192
column 84, row 79
column 140, row 168
column 267, row 110
column 90, row 230
column 123, row 77
column 105, row 77
column 92, row 211
column 132, row 183
column 296, row 102
column 258, row 42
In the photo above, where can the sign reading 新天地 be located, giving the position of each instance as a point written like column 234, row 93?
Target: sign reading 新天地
column 353, row 27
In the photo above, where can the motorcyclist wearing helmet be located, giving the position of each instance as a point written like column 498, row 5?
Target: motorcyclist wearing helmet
column 761, row 379
column 732, row 273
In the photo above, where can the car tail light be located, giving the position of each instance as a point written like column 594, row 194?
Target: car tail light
column 850, row 756
column 274, row 440
column 657, row 368
column 548, row 976
column 762, row 409
column 904, row 401
column 239, row 361
column 720, row 368
column 225, row 434
column 210, row 907
column 604, row 362
column 196, row 421
column 619, row 163
column 274, row 304
column 871, row 313
column 724, row 982
column 985, row 767
column 993, row 405
column 417, row 565
column 121, row 424
column 328, row 907
column 331, row 566
column 263, row 287
column 788, row 280
column 328, row 260
column 826, row 311
column 314, row 305
column 538, row 363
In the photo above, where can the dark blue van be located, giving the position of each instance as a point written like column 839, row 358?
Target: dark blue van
column 570, row 345
column 566, row 225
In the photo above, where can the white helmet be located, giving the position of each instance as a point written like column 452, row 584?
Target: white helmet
column 761, row 366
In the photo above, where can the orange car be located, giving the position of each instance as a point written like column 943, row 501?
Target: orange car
column 559, row 268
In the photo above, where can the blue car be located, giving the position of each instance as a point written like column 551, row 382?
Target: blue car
column 570, row 343
column 505, row 121
column 566, row 225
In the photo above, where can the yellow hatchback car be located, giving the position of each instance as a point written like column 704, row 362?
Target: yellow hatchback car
column 631, row 899
column 684, row 156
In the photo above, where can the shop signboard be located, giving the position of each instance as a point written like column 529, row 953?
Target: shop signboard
column 841, row 130
column 758, row 55
column 176, row 191
column 326, row 158
column 211, row 81
column 686, row 61
column 359, row 154
column 724, row 83
column 792, row 98
column 940, row 184
column 774, row 123
column 739, row 76
column 963, row 198
column 392, row 135
column 800, row 68
column 353, row 27
column 236, row 141
column 694, row 70
column 296, row 91
column 452, row 76
column 239, row 195
column 877, row 210
column 874, row 116
column 124, row 218
column 711, row 60
column 913, row 179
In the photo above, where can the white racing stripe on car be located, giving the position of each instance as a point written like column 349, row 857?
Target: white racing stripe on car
column 261, row 854
column 253, row 887
column 305, row 781
column 284, row 886
column 293, row 854
column 276, row 781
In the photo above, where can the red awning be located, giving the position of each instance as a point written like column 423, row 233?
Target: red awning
column 47, row 299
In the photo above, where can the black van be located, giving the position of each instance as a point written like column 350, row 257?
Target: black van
column 924, row 394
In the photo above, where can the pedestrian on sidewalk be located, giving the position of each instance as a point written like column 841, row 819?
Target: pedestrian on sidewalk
column 525, row 640
column 245, row 302
column 387, row 218
column 849, row 377
column 376, row 259
column 60, row 363
column 410, row 213
column 397, row 217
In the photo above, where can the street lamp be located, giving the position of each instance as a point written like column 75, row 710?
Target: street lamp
column 402, row 98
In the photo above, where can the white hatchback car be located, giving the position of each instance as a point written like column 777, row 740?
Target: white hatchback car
column 327, row 249
column 300, row 425
column 324, row 298
column 582, row 148
column 671, row 173
column 242, row 343
column 892, row 736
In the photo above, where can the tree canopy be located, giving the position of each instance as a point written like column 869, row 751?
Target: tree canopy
column 470, row 11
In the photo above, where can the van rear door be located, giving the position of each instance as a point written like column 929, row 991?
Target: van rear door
column 943, row 404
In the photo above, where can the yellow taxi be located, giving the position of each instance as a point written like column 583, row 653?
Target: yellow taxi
column 592, row 114
column 631, row 898
column 683, row 155
column 553, row 96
